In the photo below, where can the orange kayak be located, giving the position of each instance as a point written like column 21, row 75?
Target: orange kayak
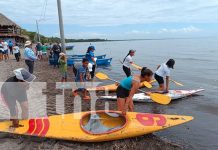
column 95, row 126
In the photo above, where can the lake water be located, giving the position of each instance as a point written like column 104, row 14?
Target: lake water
column 196, row 67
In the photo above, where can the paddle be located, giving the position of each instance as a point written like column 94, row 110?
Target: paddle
column 145, row 83
column 158, row 98
column 139, row 68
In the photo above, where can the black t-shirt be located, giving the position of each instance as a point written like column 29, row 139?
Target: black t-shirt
column 56, row 49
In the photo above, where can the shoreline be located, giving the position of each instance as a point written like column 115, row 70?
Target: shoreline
column 46, row 73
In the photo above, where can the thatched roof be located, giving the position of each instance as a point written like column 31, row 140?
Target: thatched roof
column 4, row 21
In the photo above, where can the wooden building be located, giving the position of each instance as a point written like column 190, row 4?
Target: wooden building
column 10, row 31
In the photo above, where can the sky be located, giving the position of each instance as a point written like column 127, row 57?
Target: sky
column 117, row 19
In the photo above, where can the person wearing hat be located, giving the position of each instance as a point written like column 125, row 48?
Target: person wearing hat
column 29, row 56
column 163, row 71
column 56, row 49
column 14, row 90
column 91, row 58
column 63, row 66
column 127, row 61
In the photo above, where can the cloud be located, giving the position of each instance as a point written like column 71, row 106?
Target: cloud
column 85, row 35
column 137, row 32
column 113, row 12
column 180, row 30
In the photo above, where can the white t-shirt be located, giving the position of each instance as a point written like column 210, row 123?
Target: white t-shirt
column 163, row 70
column 5, row 46
column 128, row 61
column 16, row 49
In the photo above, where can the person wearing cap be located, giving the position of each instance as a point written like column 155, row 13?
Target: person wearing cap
column 29, row 56
column 63, row 66
column 82, row 77
column 14, row 90
column 163, row 71
column 91, row 58
column 127, row 61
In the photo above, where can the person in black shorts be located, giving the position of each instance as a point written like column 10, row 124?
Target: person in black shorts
column 128, row 87
column 14, row 90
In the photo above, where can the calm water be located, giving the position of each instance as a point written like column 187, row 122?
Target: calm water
column 196, row 67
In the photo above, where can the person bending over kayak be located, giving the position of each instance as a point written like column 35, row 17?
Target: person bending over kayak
column 163, row 71
column 128, row 87
column 81, row 78
column 91, row 58
column 14, row 90
column 127, row 62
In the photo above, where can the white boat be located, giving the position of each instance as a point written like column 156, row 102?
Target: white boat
column 174, row 94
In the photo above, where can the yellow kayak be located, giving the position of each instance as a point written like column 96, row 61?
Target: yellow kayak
column 95, row 126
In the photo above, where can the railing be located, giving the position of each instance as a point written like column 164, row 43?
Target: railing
column 9, row 31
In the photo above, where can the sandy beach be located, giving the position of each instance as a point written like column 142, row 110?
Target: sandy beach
column 46, row 73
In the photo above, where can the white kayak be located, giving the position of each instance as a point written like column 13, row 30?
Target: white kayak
column 174, row 94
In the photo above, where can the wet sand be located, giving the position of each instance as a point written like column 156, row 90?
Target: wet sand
column 46, row 73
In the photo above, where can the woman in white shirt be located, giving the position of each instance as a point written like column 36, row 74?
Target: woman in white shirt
column 16, row 51
column 163, row 71
column 127, row 62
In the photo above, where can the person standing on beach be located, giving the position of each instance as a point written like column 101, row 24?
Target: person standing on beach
column 16, row 51
column 5, row 48
column 63, row 66
column 10, row 45
column 91, row 58
column 14, row 90
column 127, row 62
column 56, row 52
column 1, row 51
column 29, row 56
column 39, row 50
column 44, row 50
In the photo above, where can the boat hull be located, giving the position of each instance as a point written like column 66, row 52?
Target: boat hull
column 71, row 126
column 174, row 94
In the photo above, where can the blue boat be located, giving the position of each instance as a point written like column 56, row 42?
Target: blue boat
column 69, row 47
column 70, row 62
column 99, row 62
column 104, row 62
column 80, row 58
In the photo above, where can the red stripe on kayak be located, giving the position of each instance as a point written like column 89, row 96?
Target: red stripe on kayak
column 39, row 126
column 46, row 127
column 31, row 126
column 150, row 119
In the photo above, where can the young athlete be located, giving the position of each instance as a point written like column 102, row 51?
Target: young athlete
column 163, row 71
column 128, row 87
column 81, row 78
column 127, row 62
column 63, row 66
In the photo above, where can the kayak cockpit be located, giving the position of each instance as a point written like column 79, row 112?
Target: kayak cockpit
column 102, row 122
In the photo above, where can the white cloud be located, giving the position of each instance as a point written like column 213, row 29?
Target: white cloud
column 113, row 12
column 85, row 35
column 180, row 30
column 137, row 32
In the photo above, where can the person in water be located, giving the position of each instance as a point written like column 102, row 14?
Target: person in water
column 163, row 71
column 91, row 58
column 128, row 87
column 127, row 62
